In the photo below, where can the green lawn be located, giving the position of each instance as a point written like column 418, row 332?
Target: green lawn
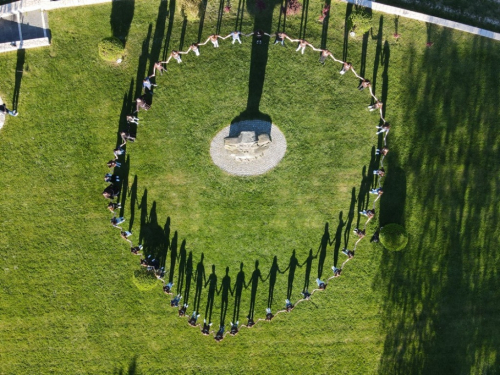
column 69, row 301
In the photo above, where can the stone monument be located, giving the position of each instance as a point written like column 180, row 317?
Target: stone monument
column 247, row 146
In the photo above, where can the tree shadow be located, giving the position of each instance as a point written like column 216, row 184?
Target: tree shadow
column 225, row 290
column 238, row 290
column 440, row 298
column 258, row 63
column 21, row 53
column 392, row 202
column 122, row 14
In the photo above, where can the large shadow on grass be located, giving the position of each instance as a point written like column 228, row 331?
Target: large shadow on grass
column 262, row 20
column 122, row 14
column 442, row 293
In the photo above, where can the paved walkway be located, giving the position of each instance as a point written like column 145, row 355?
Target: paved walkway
column 271, row 158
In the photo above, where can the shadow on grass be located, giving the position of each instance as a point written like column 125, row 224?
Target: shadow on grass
column 122, row 14
column 238, row 291
column 21, row 53
column 440, row 309
column 158, row 34
column 258, row 63
column 131, row 370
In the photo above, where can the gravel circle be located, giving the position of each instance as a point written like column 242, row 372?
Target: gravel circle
column 271, row 158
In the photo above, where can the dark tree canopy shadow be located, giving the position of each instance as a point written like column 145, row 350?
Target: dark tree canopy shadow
column 448, row 273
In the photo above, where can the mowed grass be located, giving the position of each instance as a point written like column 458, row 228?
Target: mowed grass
column 69, row 303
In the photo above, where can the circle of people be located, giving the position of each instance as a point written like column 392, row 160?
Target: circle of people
column 152, row 265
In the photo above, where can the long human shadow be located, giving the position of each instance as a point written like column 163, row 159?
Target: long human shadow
column 189, row 275
column 203, row 11
column 272, row 276
column 350, row 217
column 345, row 47
column 448, row 274
column 308, row 264
column 337, row 240
column 239, row 15
column 171, row 16
column 224, row 291
column 183, row 33
column 141, row 66
column 220, row 14
column 254, row 282
column 200, row 280
column 131, row 370
column 238, row 291
column 133, row 203
column 303, row 20
column 128, row 97
column 123, row 172
column 386, row 56
column 292, row 267
column 363, row 190
column 378, row 52
column 143, row 206
column 173, row 256
column 21, row 53
column 322, row 250
column 181, row 267
column 258, row 63
column 158, row 34
column 122, row 14
column 154, row 240
column 364, row 49
column 211, row 283
column 326, row 22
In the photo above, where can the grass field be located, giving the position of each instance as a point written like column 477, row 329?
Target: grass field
column 69, row 302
